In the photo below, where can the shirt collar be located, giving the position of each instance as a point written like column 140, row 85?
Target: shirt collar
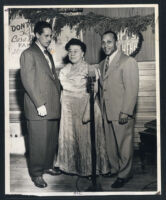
column 40, row 46
column 112, row 55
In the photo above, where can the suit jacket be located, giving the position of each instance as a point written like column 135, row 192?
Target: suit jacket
column 119, row 86
column 41, row 87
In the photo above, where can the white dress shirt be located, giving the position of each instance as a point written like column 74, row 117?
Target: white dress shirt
column 45, row 55
column 111, row 57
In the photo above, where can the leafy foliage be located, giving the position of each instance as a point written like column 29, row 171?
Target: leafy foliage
column 99, row 23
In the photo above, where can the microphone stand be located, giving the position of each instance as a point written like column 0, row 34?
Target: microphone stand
column 95, row 186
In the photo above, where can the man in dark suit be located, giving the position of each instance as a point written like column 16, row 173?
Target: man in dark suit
column 119, row 91
column 41, row 104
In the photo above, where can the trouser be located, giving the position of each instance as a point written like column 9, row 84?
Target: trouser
column 43, row 145
column 119, row 145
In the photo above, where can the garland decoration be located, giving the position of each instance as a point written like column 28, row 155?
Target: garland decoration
column 99, row 23
column 74, row 18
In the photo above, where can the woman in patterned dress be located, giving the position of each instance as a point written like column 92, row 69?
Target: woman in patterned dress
column 74, row 153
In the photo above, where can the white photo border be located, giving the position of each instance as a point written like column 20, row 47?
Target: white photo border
column 6, row 89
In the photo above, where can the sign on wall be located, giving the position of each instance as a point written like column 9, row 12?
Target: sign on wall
column 20, row 37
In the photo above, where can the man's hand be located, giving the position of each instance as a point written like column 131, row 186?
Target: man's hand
column 123, row 118
column 42, row 111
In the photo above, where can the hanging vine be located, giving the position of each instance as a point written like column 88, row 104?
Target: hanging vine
column 74, row 18
column 99, row 23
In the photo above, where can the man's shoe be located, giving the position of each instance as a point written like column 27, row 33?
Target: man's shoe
column 120, row 182
column 53, row 172
column 39, row 182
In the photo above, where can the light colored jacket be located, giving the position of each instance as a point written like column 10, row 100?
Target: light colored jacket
column 119, row 86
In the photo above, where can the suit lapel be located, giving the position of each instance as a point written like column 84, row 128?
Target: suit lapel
column 45, row 63
column 101, row 72
column 55, row 77
column 47, row 67
column 114, row 64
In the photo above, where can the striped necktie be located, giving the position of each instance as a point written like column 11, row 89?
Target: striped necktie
column 106, row 64
column 51, row 61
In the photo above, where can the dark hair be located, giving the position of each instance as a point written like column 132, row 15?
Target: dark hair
column 78, row 42
column 40, row 25
column 111, row 32
column 39, row 28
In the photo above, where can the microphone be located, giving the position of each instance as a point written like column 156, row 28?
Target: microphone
column 92, row 74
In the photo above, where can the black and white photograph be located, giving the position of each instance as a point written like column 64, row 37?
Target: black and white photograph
column 82, row 100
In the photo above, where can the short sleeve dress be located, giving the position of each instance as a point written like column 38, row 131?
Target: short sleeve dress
column 74, row 151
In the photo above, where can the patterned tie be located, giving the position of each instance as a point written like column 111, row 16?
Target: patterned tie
column 106, row 64
column 53, row 69
column 51, row 61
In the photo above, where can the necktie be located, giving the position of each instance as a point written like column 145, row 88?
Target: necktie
column 106, row 64
column 51, row 61
column 53, row 69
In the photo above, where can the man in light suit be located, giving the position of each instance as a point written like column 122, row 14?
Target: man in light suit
column 41, row 104
column 118, row 91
